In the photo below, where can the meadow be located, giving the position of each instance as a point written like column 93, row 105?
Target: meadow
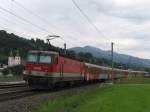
column 114, row 98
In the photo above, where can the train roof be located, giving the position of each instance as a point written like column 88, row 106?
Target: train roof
column 55, row 53
column 46, row 52
column 97, row 66
column 115, row 69
column 88, row 64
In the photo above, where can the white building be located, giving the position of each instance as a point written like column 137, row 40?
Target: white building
column 13, row 61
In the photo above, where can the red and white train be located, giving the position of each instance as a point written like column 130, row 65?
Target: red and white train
column 47, row 68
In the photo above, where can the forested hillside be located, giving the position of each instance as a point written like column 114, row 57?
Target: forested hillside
column 12, row 42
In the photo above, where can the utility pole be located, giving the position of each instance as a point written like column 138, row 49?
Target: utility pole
column 65, row 48
column 112, row 60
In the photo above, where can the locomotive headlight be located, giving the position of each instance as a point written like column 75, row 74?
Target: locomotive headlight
column 25, row 72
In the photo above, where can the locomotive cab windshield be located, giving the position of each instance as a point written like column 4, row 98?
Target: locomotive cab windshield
column 41, row 57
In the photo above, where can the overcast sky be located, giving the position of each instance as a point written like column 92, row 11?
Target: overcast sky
column 125, row 22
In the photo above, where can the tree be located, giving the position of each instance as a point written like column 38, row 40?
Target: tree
column 5, row 71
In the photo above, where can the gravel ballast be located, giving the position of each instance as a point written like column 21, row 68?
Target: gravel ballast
column 26, row 104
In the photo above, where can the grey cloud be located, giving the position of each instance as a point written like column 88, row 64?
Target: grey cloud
column 116, row 22
column 134, row 13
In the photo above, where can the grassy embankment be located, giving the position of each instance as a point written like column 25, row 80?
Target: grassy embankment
column 116, row 98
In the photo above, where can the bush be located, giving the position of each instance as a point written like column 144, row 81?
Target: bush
column 16, row 70
column 5, row 71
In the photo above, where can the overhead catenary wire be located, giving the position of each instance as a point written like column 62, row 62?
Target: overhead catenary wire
column 15, row 23
column 14, row 31
column 23, row 19
column 90, row 21
column 29, row 21
column 46, row 22
column 42, row 19
column 30, row 12
column 94, row 26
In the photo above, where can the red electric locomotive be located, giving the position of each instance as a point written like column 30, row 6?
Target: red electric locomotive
column 48, row 68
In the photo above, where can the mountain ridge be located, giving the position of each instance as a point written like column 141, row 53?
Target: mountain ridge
column 121, row 58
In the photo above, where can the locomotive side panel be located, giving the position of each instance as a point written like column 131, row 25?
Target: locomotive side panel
column 68, row 69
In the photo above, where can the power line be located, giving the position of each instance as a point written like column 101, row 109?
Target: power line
column 14, row 23
column 89, row 20
column 23, row 19
column 30, row 12
column 41, row 19
column 13, row 31
column 46, row 22
column 94, row 26
column 24, row 34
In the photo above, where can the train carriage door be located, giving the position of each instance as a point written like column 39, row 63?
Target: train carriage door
column 82, row 71
column 61, row 71
column 88, row 74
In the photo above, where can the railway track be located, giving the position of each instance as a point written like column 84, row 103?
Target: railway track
column 5, row 86
column 13, row 91
column 18, row 93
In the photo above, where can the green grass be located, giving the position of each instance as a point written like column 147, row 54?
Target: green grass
column 116, row 98
column 134, row 81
